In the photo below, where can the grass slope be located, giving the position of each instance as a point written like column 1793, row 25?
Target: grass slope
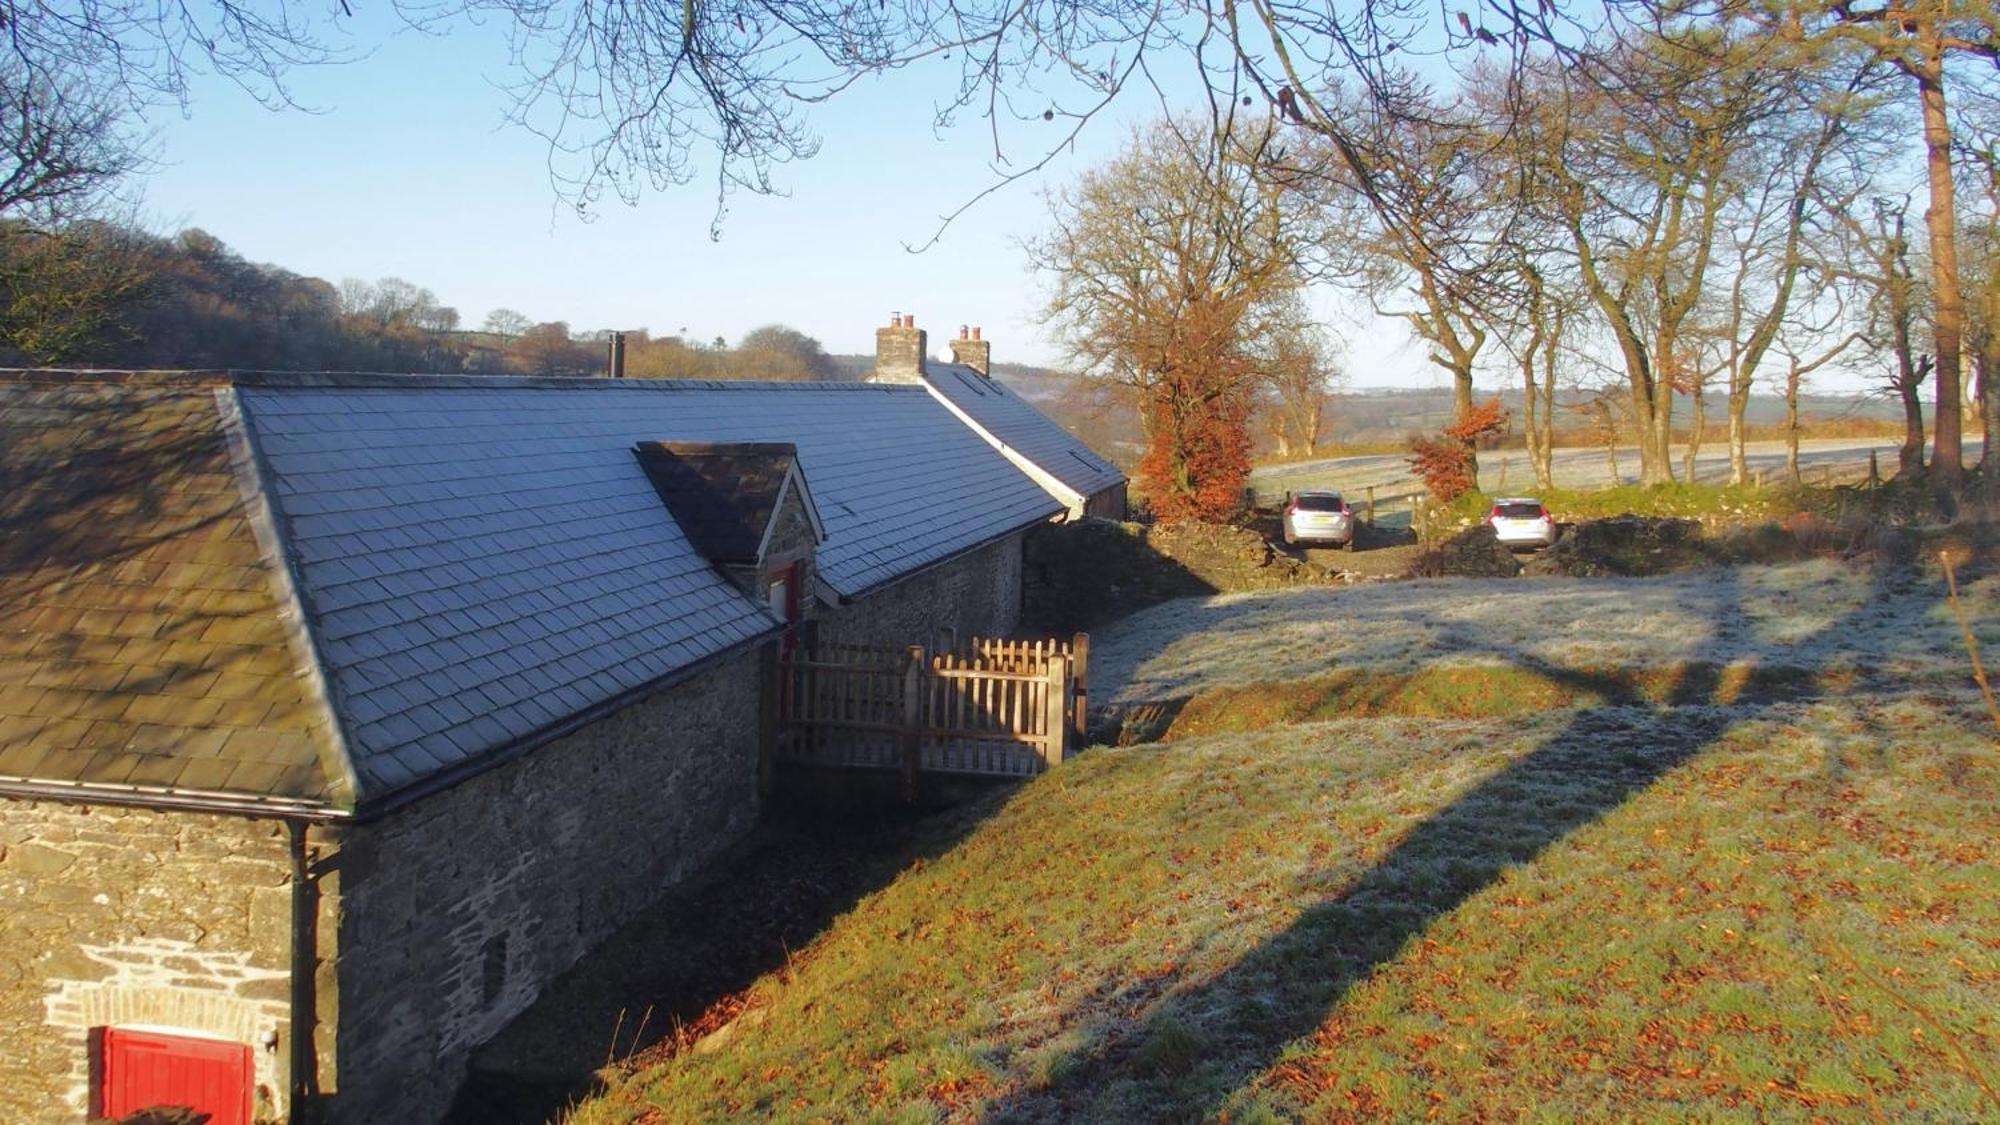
column 1676, row 898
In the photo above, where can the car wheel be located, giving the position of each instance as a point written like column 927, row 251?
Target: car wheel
column 1290, row 539
column 1350, row 545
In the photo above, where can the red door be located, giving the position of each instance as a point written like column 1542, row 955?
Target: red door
column 145, row 1069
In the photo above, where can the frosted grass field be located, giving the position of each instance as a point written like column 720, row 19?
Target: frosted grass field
column 1822, row 614
column 1509, row 471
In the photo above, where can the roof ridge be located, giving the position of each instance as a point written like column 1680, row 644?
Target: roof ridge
column 391, row 380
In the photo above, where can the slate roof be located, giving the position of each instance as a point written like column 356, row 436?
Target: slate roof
column 481, row 558
column 143, row 643
column 1015, row 423
column 722, row 494
column 194, row 580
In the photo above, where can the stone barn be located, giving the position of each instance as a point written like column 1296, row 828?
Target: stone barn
column 339, row 714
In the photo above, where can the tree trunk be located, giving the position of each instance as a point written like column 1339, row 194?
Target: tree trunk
column 1696, row 423
column 1461, row 405
column 1948, row 321
column 1663, row 431
column 1739, row 456
column 1792, row 422
column 1531, row 419
column 1988, row 364
column 1545, row 463
column 1909, row 383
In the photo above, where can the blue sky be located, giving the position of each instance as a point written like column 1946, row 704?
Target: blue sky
column 408, row 169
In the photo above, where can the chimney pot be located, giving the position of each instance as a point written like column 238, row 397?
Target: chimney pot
column 973, row 352
column 975, row 332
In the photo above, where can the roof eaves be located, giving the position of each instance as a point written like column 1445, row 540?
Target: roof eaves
column 190, row 800
column 513, row 749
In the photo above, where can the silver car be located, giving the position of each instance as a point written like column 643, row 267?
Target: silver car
column 1522, row 521
column 1319, row 517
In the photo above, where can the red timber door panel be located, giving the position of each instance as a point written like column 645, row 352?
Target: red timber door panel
column 143, row 1069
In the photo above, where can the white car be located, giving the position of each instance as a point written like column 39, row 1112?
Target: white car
column 1522, row 521
column 1319, row 517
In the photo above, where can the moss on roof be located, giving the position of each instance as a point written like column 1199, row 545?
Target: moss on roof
column 142, row 642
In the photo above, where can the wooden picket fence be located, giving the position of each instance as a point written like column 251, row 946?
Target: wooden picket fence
column 997, row 708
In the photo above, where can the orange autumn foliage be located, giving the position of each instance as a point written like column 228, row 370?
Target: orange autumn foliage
column 1445, row 463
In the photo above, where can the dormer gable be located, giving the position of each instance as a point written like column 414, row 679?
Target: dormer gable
column 741, row 504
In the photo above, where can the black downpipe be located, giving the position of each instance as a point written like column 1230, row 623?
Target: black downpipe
column 304, row 1103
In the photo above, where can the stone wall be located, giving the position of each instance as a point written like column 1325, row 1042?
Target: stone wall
column 1089, row 572
column 113, row 917
column 459, row 909
column 977, row 594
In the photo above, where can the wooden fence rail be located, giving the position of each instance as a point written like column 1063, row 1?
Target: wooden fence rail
column 992, row 707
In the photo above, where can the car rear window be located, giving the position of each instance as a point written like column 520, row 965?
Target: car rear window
column 1310, row 503
column 1520, row 511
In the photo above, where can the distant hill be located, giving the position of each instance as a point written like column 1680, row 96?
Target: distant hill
column 1364, row 415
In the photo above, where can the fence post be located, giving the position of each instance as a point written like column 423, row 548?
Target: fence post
column 1874, row 471
column 1371, row 505
column 911, row 736
column 1080, row 676
column 1058, row 711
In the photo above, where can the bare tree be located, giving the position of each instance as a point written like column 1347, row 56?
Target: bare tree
column 1409, row 215
column 1876, row 249
column 776, row 351
column 1640, row 152
column 68, row 295
column 61, row 148
column 1980, row 141
column 1926, row 40
column 1168, row 273
column 1301, row 368
column 1799, row 363
column 1774, row 225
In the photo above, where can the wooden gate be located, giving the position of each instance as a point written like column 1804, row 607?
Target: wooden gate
column 994, row 707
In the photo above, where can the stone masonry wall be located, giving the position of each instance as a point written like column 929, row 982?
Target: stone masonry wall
column 113, row 917
column 459, row 909
column 978, row 594
column 792, row 533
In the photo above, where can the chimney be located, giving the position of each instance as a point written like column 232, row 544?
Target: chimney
column 899, row 351
column 615, row 362
column 973, row 352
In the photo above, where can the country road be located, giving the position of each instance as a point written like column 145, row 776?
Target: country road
column 1505, row 472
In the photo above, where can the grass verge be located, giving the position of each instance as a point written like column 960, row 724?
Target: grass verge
column 1781, row 909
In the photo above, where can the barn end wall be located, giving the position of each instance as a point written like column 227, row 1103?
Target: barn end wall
column 457, row 910
column 977, row 594
column 119, row 917
column 1108, row 504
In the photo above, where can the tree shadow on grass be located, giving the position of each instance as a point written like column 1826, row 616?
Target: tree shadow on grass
column 1184, row 1056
